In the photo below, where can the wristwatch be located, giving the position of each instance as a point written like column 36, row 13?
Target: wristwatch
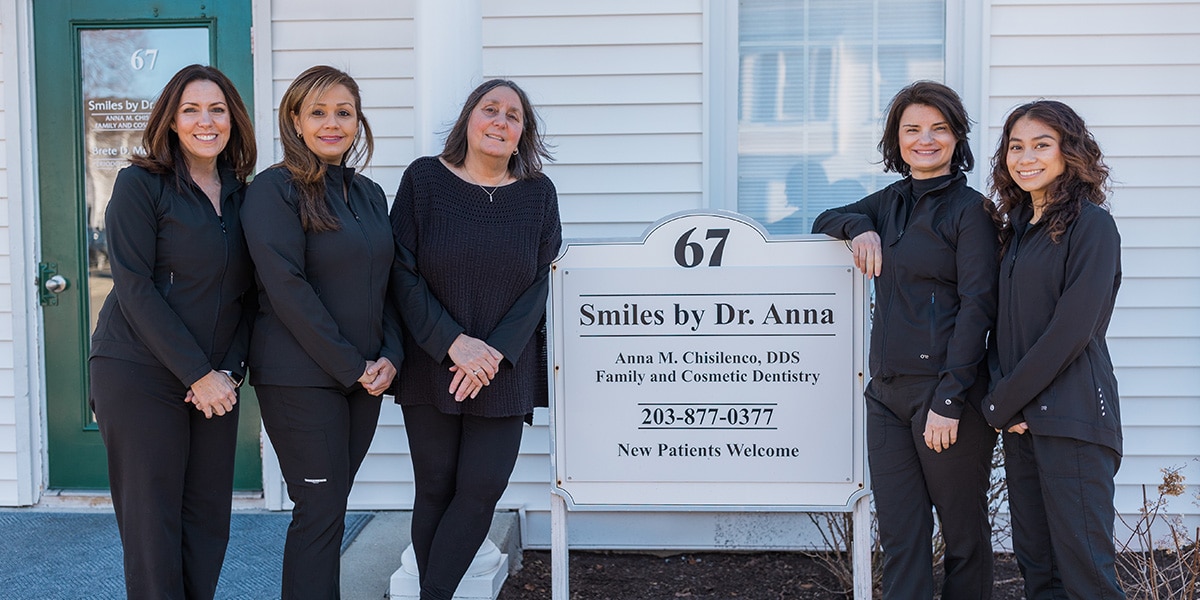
column 234, row 378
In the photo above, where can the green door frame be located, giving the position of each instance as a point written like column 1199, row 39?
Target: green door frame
column 75, row 452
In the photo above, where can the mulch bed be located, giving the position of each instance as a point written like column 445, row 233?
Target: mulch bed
column 703, row 576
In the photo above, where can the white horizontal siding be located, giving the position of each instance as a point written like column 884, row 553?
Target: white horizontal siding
column 1118, row 107
column 619, row 86
column 1132, row 70
column 1069, row 20
column 9, row 458
column 374, row 44
column 1024, row 49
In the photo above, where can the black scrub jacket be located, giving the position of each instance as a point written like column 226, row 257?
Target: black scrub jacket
column 323, row 295
column 1056, row 299
column 935, row 300
column 182, row 292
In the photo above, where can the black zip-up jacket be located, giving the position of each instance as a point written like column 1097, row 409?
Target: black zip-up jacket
column 182, row 292
column 935, row 299
column 323, row 295
column 1056, row 299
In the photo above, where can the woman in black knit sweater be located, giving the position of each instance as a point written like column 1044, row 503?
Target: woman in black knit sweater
column 476, row 228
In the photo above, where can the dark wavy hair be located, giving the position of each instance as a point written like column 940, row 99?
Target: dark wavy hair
column 1085, row 177
column 307, row 170
column 934, row 95
column 164, row 154
column 531, row 148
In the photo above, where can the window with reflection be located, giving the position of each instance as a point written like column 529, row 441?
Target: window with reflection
column 814, row 78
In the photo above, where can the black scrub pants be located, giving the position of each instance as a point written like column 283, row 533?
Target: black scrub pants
column 909, row 481
column 321, row 436
column 171, row 475
column 1060, row 497
column 461, row 466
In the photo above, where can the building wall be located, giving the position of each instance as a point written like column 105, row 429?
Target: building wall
column 1132, row 70
column 8, row 413
column 624, row 89
column 620, row 86
column 20, row 426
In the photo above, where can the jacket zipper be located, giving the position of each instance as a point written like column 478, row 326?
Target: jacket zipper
column 370, row 259
column 892, row 266
column 221, row 281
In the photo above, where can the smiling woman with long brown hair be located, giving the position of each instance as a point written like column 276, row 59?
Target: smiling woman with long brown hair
column 170, row 344
column 325, row 345
column 1054, row 392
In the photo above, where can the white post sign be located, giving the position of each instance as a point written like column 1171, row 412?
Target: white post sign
column 708, row 366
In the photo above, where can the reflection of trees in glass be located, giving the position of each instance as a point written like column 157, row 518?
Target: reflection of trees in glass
column 814, row 77
column 108, row 72
column 107, row 58
column 104, row 61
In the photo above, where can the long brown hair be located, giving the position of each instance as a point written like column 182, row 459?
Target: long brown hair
column 164, row 154
column 945, row 101
column 307, row 170
column 531, row 148
column 1084, row 177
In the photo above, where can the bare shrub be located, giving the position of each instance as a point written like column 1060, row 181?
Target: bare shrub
column 837, row 531
column 1168, row 567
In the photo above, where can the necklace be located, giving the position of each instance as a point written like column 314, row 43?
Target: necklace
column 485, row 190
column 480, row 185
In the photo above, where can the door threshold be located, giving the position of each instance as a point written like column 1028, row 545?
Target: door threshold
column 101, row 500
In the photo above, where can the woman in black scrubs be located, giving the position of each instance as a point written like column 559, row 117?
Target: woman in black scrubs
column 930, row 245
column 1054, row 393
column 325, row 348
column 174, row 330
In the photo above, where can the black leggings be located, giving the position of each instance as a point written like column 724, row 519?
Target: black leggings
column 461, row 465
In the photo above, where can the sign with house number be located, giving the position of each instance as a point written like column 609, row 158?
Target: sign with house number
column 708, row 365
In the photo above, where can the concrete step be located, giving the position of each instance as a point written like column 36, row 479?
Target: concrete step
column 374, row 555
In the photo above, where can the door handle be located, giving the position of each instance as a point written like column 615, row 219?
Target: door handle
column 57, row 284
column 50, row 284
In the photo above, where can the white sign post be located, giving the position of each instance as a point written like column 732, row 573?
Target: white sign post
column 708, row 367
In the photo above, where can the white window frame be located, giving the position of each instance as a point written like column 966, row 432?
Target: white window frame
column 965, row 71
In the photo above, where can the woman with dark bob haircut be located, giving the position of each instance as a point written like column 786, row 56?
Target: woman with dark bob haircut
column 476, row 228
column 930, row 245
column 326, row 343
column 173, row 335
column 1054, row 392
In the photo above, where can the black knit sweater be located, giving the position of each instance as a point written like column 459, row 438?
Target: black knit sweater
column 479, row 265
